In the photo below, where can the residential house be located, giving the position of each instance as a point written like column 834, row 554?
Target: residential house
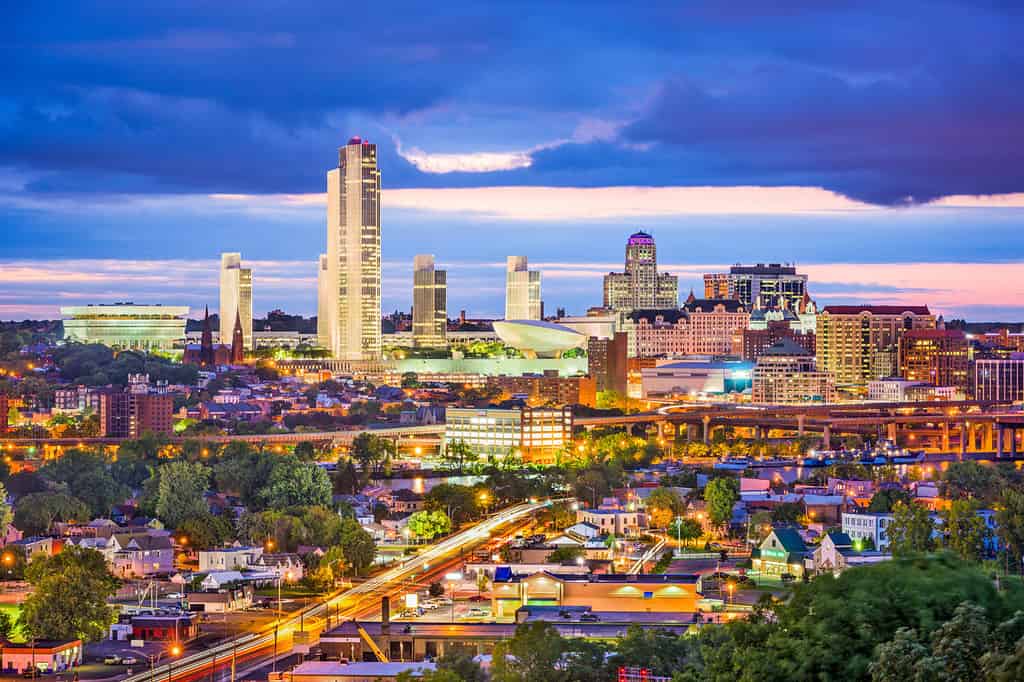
column 403, row 501
column 838, row 551
column 229, row 558
column 140, row 556
column 222, row 601
column 219, row 579
column 284, row 566
column 611, row 521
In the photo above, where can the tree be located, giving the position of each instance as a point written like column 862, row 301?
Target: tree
column 663, row 504
column 357, row 545
column 372, row 452
column 69, row 596
column 435, row 589
column 970, row 479
column 911, row 530
column 884, row 500
column 180, row 491
column 787, row 512
column 685, row 530
column 6, row 513
column 458, row 502
column 429, row 524
column 1010, row 525
column 6, row 626
column 958, row 645
column 896, row 659
column 483, row 582
column 721, row 495
column 85, row 474
column 305, row 451
column 963, row 531
column 293, row 482
column 565, row 554
column 35, row 514
column 532, row 654
column 205, row 531
column 457, row 455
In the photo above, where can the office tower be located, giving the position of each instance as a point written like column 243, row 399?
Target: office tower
column 1000, row 379
column 641, row 285
column 235, row 298
column 773, row 286
column 935, row 356
column 522, row 290
column 787, row 373
column 607, row 362
column 322, row 301
column 859, row 343
column 429, row 303
column 353, row 253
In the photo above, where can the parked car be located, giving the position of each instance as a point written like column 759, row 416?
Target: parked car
column 113, row 659
column 128, row 660
column 589, row 618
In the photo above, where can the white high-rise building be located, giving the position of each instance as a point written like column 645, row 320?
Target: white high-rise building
column 322, row 301
column 429, row 303
column 641, row 286
column 522, row 290
column 235, row 298
column 353, row 253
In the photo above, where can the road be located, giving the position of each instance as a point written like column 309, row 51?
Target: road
column 254, row 648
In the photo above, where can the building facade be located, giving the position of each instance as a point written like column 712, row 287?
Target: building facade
column 429, row 303
column 787, row 373
column 935, row 356
column 522, row 290
column 547, row 389
column 607, row 362
column 126, row 414
column 873, row 526
column 537, row 435
column 716, row 325
column 323, row 281
column 235, row 298
column 126, row 325
column 773, row 286
column 858, row 344
column 353, row 253
column 641, row 285
column 999, row 378
column 696, row 376
column 757, row 341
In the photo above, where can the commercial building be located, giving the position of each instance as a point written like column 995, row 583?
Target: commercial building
column 522, row 290
column 757, row 341
column 999, row 379
column 547, row 389
column 644, row 593
column 871, row 526
column 782, row 552
column 696, row 377
column 536, row 435
column 716, row 325
column 235, row 298
column 935, row 356
column 323, row 282
column 353, row 253
column 788, row 373
column 607, row 362
column 126, row 325
column 47, row 656
column 429, row 303
column 859, row 343
column 659, row 333
column 641, row 285
column 772, row 286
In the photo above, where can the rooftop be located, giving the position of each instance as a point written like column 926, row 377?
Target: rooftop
column 876, row 309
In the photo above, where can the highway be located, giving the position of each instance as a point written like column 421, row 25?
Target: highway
column 346, row 604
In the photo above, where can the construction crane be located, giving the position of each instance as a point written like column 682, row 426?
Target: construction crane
column 370, row 643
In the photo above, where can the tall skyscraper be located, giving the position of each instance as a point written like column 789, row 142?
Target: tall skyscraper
column 772, row 287
column 353, row 253
column 235, row 298
column 429, row 303
column 323, row 301
column 641, row 286
column 522, row 290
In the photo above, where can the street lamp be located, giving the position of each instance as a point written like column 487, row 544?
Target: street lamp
column 173, row 650
column 9, row 563
column 452, row 579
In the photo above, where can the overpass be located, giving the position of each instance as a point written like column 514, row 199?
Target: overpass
column 973, row 425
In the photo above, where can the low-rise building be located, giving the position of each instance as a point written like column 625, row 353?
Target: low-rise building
column 657, row 592
column 47, row 656
column 838, row 551
column 611, row 521
column 696, row 376
column 537, row 435
column 871, row 526
column 141, row 556
column 229, row 558
column 782, row 552
column 236, row 598
column 788, row 373
column 360, row 671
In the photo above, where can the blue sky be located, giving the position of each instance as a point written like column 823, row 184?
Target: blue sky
column 137, row 142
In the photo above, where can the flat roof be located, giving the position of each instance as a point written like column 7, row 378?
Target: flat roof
column 118, row 309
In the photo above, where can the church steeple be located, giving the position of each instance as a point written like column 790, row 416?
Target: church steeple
column 691, row 298
column 237, row 342
column 206, row 357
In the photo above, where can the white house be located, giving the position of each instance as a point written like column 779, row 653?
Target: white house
column 218, row 579
column 229, row 558
column 868, row 526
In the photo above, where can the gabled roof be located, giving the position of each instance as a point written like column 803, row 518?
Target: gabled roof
column 790, row 540
column 840, row 539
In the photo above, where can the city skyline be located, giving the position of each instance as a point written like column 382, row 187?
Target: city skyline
column 904, row 159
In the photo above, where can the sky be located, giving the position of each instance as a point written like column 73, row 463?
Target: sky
column 879, row 146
